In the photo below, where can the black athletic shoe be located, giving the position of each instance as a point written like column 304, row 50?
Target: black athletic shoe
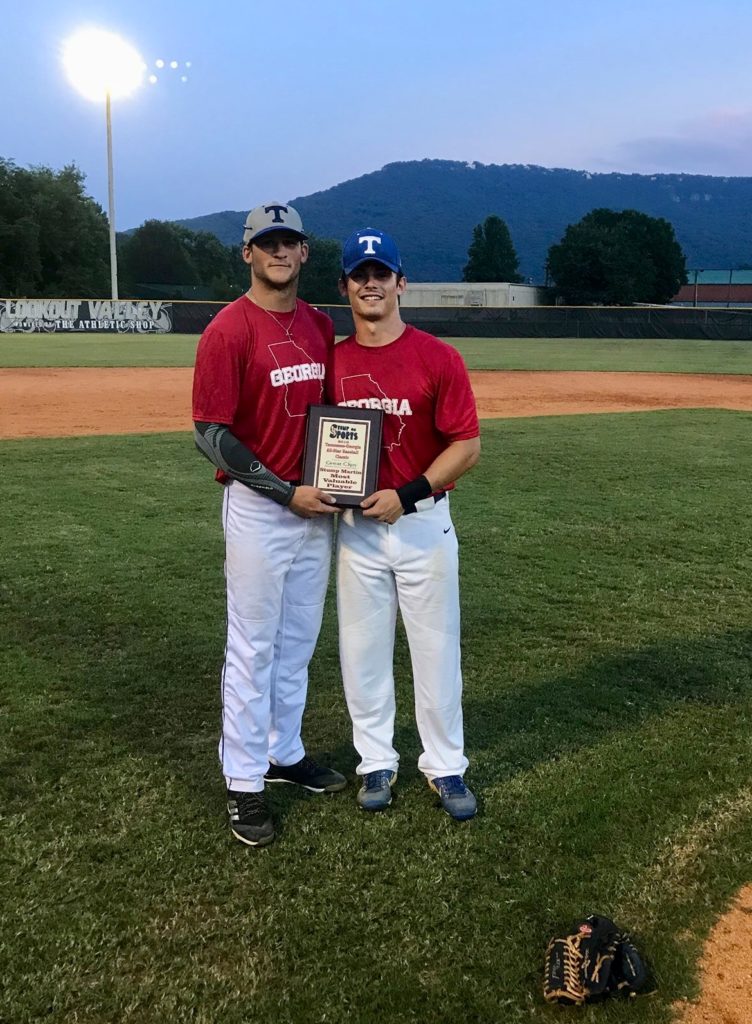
column 309, row 775
column 250, row 821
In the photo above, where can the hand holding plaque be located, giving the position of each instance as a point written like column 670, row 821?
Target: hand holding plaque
column 342, row 451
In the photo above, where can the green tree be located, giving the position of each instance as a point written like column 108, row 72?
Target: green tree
column 171, row 258
column 214, row 263
column 156, row 254
column 53, row 237
column 319, row 276
column 617, row 258
column 491, row 256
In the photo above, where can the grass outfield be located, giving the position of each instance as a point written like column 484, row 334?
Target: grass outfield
column 667, row 356
column 97, row 349
column 606, row 629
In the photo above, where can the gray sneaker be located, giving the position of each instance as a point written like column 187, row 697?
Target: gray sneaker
column 376, row 792
column 456, row 798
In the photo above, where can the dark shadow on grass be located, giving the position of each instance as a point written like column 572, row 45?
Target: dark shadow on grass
column 560, row 714
column 112, row 678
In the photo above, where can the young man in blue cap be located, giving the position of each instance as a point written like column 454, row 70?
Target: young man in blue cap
column 401, row 549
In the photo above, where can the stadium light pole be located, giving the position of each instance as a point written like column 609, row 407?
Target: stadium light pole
column 103, row 66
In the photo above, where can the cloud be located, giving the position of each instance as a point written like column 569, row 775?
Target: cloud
column 719, row 142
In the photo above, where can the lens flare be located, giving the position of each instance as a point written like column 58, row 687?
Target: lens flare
column 99, row 62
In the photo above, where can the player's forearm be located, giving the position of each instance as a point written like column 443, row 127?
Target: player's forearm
column 225, row 451
column 450, row 465
column 445, row 469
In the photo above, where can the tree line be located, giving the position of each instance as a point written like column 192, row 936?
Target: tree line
column 54, row 242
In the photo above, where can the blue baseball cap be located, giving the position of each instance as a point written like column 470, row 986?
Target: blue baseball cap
column 370, row 244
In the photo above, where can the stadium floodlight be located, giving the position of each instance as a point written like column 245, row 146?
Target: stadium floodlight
column 102, row 66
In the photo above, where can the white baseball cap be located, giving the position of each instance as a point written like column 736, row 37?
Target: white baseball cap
column 272, row 217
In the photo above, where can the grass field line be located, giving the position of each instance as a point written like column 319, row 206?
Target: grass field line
column 683, row 851
column 679, row 874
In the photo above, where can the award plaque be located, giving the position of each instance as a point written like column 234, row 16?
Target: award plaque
column 342, row 452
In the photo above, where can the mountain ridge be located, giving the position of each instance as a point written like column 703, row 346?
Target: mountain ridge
column 431, row 207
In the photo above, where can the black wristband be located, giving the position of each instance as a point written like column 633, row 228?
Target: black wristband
column 416, row 490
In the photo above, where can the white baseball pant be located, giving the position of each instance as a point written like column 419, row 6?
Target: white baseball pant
column 412, row 565
column 277, row 569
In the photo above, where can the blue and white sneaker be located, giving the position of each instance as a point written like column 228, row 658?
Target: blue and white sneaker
column 456, row 798
column 376, row 792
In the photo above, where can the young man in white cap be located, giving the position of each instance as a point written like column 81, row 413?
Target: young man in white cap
column 401, row 550
column 260, row 364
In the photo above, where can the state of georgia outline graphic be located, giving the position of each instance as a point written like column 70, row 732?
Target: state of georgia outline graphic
column 367, row 377
column 281, row 366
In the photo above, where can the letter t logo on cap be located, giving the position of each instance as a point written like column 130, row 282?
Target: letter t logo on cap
column 278, row 210
column 369, row 242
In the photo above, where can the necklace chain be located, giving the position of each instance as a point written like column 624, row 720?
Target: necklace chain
column 288, row 329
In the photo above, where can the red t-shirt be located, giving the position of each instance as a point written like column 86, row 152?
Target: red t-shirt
column 423, row 387
column 254, row 378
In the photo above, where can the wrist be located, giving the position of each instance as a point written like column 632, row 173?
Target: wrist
column 412, row 492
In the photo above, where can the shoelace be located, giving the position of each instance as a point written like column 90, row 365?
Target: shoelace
column 250, row 804
column 375, row 780
column 452, row 785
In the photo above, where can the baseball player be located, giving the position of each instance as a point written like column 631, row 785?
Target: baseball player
column 401, row 550
column 260, row 364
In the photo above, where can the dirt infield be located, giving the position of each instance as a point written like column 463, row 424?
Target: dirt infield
column 725, row 974
column 67, row 402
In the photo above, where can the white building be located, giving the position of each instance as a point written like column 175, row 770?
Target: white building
column 475, row 293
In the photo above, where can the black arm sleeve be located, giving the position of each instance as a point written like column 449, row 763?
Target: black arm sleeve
column 226, row 452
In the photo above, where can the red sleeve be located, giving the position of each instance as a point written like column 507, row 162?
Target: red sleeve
column 456, row 416
column 218, row 374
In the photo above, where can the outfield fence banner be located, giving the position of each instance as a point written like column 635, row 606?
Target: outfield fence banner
column 584, row 322
column 570, row 322
column 532, row 321
column 194, row 317
column 156, row 317
column 125, row 316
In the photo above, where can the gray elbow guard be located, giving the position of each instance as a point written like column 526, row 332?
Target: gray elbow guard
column 228, row 453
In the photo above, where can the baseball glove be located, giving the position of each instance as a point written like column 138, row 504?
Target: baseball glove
column 592, row 961
column 628, row 973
